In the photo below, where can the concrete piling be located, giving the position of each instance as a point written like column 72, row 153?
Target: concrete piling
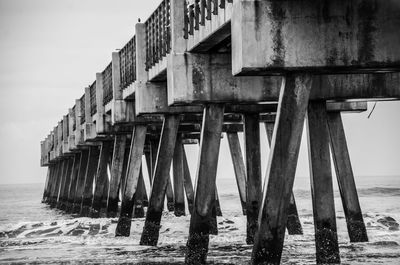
column 131, row 180
column 197, row 244
column 326, row 241
column 160, row 180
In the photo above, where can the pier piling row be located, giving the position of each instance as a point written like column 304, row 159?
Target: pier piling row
column 196, row 71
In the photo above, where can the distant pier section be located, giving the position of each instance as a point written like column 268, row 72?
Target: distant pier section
column 196, row 71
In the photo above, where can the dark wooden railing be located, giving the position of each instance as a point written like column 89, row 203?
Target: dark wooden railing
column 107, row 84
column 158, row 34
column 83, row 117
column 93, row 103
column 127, row 63
column 198, row 11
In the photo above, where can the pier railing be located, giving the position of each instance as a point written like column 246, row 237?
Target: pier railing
column 73, row 118
column 83, row 117
column 197, row 12
column 158, row 34
column 107, row 84
column 93, row 103
column 128, row 63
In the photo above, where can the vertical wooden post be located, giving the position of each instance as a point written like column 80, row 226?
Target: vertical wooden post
column 138, row 211
column 101, row 179
column 165, row 152
column 200, row 221
column 131, row 179
column 116, row 173
column 87, row 196
column 326, row 242
column 238, row 166
column 187, row 182
column 80, row 185
column 344, row 172
column 74, row 181
column 281, row 169
column 253, row 172
column 293, row 223
column 178, row 174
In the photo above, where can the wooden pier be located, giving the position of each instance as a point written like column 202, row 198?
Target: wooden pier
column 199, row 70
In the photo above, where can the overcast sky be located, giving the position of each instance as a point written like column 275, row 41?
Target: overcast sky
column 50, row 50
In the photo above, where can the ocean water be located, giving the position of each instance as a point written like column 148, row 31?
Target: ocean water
column 32, row 233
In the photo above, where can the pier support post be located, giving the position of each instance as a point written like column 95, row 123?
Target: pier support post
column 187, row 182
column 326, row 242
column 162, row 168
column 101, row 179
column 140, row 194
column 253, row 168
column 131, row 180
column 170, row 195
column 116, row 173
column 238, row 166
column 87, row 196
column 49, row 182
column 65, row 185
column 200, row 221
column 281, row 169
column 178, row 174
column 293, row 223
column 344, row 173
column 80, row 185
column 74, row 181
column 56, row 188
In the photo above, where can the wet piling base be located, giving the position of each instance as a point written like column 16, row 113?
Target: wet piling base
column 112, row 207
column 125, row 219
column 197, row 244
column 151, row 229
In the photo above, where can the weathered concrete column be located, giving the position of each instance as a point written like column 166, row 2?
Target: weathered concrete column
column 160, row 180
column 94, row 154
column 101, row 179
column 65, row 184
column 178, row 174
column 170, row 195
column 131, row 181
column 187, row 182
column 140, row 194
column 326, row 241
column 200, row 221
column 239, row 167
column 74, row 181
column 344, row 173
column 56, row 186
column 80, row 185
column 49, row 182
column 253, row 170
column 116, row 173
column 169, row 192
column 292, row 107
column 293, row 223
